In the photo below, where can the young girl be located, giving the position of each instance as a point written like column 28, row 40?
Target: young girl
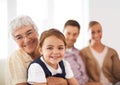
column 52, row 48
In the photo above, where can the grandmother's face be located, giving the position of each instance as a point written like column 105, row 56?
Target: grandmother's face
column 27, row 38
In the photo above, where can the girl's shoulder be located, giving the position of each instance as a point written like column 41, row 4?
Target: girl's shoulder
column 65, row 62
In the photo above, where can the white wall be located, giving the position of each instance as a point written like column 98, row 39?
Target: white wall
column 51, row 14
column 12, row 12
column 107, row 12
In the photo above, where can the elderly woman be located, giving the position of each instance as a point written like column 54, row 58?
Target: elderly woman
column 25, row 34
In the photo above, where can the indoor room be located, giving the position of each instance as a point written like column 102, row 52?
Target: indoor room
column 53, row 14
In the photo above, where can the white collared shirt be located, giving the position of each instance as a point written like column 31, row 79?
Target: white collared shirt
column 37, row 74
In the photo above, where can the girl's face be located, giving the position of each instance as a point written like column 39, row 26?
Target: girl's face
column 26, row 38
column 53, row 50
column 96, row 33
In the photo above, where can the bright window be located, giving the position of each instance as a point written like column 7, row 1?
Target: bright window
column 72, row 9
column 3, row 32
column 37, row 9
column 53, row 14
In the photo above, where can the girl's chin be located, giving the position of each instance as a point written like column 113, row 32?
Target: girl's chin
column 55, row 61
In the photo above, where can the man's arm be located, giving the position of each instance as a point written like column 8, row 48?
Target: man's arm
column 56, row 81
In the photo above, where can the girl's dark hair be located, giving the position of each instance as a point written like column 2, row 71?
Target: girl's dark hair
column 51, row 32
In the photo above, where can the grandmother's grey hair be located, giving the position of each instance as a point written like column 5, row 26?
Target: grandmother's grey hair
column 20, row 21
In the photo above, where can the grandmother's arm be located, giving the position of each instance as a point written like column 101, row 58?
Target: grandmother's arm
column 22, row 84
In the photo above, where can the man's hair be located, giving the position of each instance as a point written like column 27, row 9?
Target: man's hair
column 72, row 23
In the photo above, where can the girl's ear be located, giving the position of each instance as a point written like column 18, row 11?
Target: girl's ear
column 40, row 50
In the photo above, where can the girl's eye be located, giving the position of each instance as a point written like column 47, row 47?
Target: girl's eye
column 61, row 48
column 49, row 48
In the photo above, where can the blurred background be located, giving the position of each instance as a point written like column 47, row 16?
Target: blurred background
column 53, row 14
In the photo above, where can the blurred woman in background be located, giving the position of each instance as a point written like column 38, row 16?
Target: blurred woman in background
column 102, row 62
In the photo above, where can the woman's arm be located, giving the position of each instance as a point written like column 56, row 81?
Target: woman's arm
column 116, row 66
column 73, row 81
